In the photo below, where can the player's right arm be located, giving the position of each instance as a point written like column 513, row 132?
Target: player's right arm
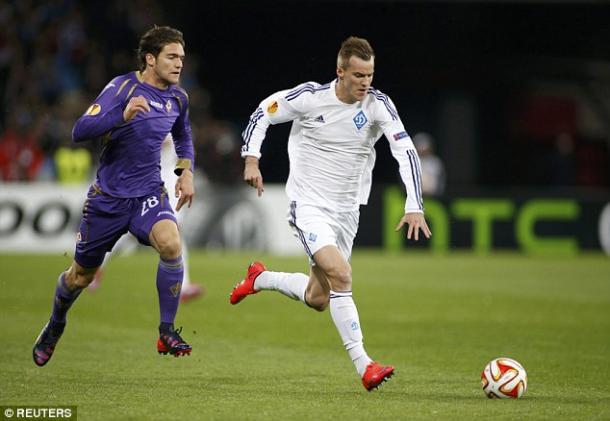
column 281, row 107
column 109, row 110
column 252, row 174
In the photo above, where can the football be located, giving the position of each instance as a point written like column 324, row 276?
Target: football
column 504, row 378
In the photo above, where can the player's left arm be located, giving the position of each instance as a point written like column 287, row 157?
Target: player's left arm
column 404, row 152
column 183, row 143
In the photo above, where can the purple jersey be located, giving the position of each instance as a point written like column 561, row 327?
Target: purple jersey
column 130, row 160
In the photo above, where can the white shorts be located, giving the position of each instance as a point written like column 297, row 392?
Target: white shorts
column 316, row 227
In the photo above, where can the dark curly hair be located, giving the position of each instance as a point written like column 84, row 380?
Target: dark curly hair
column 153, row 41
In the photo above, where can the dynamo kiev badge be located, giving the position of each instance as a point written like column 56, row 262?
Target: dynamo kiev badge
column 360, row 120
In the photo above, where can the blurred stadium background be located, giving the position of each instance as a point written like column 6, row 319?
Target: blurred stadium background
column 513, row 98
column 513, row 95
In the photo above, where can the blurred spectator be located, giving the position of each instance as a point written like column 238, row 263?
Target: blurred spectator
column 217, row 145
column 20, row 155
column 73, row 165
column 432, row 168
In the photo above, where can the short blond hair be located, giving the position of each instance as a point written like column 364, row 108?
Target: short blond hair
column 354, row 46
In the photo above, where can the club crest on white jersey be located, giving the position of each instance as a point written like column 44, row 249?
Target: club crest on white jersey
column 360, row 120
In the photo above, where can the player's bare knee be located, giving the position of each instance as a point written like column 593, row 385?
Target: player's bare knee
column 340, row 279
column 169, row 247
column 165, row 238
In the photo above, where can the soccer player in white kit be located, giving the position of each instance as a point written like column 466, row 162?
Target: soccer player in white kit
column 331, row 150
column 127, row 243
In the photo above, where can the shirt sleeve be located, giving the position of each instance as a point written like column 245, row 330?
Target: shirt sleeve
column 403, row 151
column 279, row 107
column 183, row 137
column 104, row 114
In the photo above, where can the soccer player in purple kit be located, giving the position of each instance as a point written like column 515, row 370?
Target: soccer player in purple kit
column 133, row 114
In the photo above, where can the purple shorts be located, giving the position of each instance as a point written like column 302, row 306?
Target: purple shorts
column 105, row 219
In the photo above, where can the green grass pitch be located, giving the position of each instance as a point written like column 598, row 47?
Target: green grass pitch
column 438, row 319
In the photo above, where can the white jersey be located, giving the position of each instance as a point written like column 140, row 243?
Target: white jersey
column 331, row 145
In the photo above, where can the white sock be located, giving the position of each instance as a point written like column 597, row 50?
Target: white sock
column 292, row 285
column 186, row 280
column 345, row 316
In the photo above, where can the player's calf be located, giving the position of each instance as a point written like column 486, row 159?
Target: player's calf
column 318, row 302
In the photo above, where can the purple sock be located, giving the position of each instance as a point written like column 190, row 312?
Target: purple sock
column 169, row 283
column 64, row 297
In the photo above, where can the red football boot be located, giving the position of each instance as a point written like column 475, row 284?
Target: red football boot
column 246, row 287
column 375, row 374
column 171, row 342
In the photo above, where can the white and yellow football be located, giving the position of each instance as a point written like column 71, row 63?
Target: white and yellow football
column 504, row 378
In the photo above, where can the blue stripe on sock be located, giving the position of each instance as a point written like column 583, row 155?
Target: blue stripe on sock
column 340, row 294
